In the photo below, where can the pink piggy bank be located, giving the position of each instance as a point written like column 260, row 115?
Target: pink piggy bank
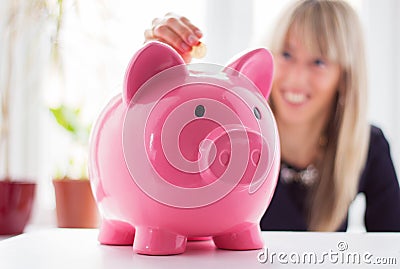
column 186, row 151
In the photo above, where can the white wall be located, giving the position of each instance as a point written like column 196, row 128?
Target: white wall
column 229, row 27
column 382, row 25
column 29, row 54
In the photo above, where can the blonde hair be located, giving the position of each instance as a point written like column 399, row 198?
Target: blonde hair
column 332, row 28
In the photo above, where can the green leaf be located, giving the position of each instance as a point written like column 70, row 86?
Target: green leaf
column 69, row 119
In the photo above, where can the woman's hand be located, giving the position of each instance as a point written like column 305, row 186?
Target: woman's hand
column 176, row 31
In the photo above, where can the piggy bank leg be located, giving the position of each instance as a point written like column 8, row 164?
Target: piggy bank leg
column 247, row 239
column 155, row 241
column 116, row 233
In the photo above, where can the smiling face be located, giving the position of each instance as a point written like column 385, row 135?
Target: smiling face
column 305, row 83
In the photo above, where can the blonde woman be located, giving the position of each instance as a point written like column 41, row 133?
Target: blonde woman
column 329, row 151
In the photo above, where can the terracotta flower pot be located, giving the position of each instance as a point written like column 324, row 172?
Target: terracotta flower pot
column 16, row 200
column 75, row 204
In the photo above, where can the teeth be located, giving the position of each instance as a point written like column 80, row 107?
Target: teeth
column 295, row 98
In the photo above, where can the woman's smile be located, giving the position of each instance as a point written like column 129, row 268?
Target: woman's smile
column 295, row 98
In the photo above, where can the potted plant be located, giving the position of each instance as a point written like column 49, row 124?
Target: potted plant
column 75, row 204
column 16, row 195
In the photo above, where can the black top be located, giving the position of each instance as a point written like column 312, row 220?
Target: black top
column 288, row 209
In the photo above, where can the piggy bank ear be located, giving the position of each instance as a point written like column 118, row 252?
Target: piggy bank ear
column 258, row 66
column 151, row 59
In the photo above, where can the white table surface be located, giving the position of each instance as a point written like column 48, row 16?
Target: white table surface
column 78, row 248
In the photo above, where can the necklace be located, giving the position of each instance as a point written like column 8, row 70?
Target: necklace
column 307, row 176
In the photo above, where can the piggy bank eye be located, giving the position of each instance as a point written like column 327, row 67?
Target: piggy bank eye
column 199, row 111
column 257, row 113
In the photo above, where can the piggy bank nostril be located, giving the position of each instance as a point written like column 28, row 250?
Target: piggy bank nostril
column 224, row 158
column 255, row 157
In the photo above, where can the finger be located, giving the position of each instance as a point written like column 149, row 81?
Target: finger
column 192, row 27
column 186, row 21
column 187, row 57
column 149, row 35
column 171, row 38
column 182, row 30
column 155, row 21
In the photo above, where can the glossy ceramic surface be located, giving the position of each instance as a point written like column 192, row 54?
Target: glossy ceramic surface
column 186, row 151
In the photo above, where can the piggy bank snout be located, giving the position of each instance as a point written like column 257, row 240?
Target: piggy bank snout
column 219, row 149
